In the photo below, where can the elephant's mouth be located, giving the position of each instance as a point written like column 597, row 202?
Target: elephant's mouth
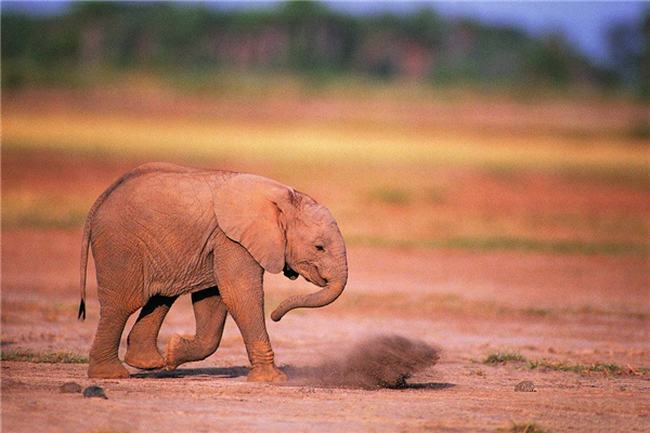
column 314, row 277
column 289, row 273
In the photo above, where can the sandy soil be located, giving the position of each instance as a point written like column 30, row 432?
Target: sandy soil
column 467, row 304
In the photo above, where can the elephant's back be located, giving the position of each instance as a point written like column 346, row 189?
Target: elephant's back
column 167, row 180
column 159, row 222
column 156, row 199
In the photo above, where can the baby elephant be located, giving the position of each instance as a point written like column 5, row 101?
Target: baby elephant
column 162, row 230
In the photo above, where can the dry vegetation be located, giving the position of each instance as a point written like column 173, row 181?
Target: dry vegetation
column 391, row 179
column 47, row 357
column 504, row 357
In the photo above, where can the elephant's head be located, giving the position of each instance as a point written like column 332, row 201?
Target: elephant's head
column 284, row 230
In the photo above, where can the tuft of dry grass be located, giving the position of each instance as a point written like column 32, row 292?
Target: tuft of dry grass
column 608, row 369
column 503, row 357
column 43, row 357
column 598, row 367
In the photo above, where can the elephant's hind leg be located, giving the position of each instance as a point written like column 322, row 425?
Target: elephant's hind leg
column 210, row 314
column 104, row 362
column 142, row 350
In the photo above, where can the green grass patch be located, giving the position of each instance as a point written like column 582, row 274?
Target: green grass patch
column 504, row 357
column 44, row 357
column 609, row 369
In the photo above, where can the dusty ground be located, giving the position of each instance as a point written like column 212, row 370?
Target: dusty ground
column 571, row 309
column 458, row 394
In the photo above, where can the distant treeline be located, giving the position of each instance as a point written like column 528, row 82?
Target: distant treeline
column 304, row 38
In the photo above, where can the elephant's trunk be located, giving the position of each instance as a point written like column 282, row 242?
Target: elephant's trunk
column 323, row 297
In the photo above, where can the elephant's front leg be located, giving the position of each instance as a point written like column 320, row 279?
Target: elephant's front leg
column 240, row 278
column 210, row 314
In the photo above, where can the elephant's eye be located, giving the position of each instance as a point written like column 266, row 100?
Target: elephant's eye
column 320, row 248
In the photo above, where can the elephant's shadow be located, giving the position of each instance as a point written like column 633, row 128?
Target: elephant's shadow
column 216, row 372
column 300, row 376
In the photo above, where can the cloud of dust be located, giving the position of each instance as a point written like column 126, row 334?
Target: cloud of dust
column 385, row 361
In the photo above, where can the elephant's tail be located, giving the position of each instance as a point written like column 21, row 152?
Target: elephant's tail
column 85, row 243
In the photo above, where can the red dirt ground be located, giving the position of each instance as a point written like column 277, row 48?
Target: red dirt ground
column 477, row 303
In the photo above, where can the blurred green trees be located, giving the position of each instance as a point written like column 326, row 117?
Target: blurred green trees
column 299, row 37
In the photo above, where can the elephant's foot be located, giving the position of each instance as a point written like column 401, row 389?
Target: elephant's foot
column 145, row 360
column 177, row 350
column 107, row 370
column 266, row 373
column 189, row 349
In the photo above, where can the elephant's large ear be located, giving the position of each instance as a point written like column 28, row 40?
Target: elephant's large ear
column 248, row 209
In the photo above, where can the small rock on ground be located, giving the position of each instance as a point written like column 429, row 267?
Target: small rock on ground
column 70, row 387
column 525, row 386
column 95, row 391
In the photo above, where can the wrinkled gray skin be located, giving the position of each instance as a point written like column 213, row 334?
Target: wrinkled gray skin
column 162, row 230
